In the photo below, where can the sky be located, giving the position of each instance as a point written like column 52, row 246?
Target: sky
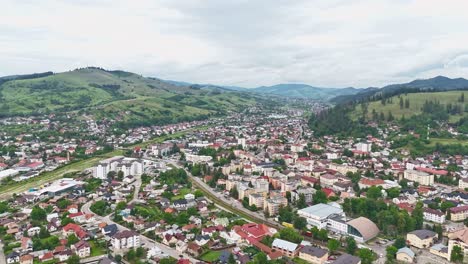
column 325, row 43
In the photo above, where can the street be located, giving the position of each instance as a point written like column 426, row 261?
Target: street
column 145, row 241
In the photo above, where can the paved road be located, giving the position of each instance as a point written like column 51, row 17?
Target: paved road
column 229, row 204
column 137, row 185
column 2, row 255
column 148, row 243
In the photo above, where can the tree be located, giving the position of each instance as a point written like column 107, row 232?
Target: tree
column 234, row 193
column 99, row 207
column 43, row 233
column 391, row 252
column 333, row 245
column 393, row 192
column 366, row 255
column 38, row 214
column 120, row 206
column 63, row 203
column 418, row 215
column 120, row 175
column 401, row 103
column 400, row 242
column 301, row 202
column 290, row 234
column 231, row 259
column 131, row 255
column 74, row 259
column 260, row 258
column 72, row 239
column 351, row 245
column 319, row 197
column 373, row 192
column 456, row 255
column 407, row 103
column 300, row 223
column 285, row 214
column 140, row 252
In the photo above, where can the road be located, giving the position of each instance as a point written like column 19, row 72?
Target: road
column 147, row 242
column 2, row 254
column 228, row 204
column 137, row 185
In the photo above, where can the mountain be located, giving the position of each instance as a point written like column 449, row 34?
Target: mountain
column 305, row 91
column 436, row 84
column 124, row 96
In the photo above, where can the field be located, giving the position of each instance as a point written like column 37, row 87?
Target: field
column 447, row 141
column 416, row 103
column 210, row 256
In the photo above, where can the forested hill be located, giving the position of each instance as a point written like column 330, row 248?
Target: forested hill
column 436, row 84
column 125, row 96
column 414, row 106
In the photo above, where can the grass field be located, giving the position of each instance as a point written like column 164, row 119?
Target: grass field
column 210, row 256
column 447, row 141
column 416, row 103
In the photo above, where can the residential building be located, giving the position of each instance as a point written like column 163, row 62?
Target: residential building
column 285, row 247
column 314, row 255
column 420, row 177
column 421, row 238
column 433, row 215
column 405, row 254
column 125, row 239
column 459, row 213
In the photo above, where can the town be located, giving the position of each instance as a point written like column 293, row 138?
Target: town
column 254, row 187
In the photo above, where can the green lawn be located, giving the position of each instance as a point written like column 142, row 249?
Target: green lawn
column 96, row 249
column 447, row 141
column 182, row 193
column 210, row 256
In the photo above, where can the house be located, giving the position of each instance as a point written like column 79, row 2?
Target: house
column 440, row 250
column 64, row 254
column 421, row 238
column 405, row 254
column 34, row 231
column 26, row 244
column 433, row 215
column 202, row 239
column 47, row 256
column 194, row 249
column 459, row 213
column 82, row 249
column 125, row 239
column 26, row 259
column 13, row 257
column 181, row 246
column 110, row 230
column 76, row 230
column 285, row 247
column 314, row 255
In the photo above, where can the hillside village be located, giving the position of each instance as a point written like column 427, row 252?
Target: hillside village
column 250, row 188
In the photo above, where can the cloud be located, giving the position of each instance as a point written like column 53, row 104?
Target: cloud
column 328, row 43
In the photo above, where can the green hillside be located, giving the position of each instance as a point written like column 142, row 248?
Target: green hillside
column 413, row 104
column 119, row 95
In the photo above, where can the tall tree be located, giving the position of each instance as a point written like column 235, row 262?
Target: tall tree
column 456, row 255
column 333, row 245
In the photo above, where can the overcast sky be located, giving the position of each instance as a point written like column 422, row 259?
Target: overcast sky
column 329, row 43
